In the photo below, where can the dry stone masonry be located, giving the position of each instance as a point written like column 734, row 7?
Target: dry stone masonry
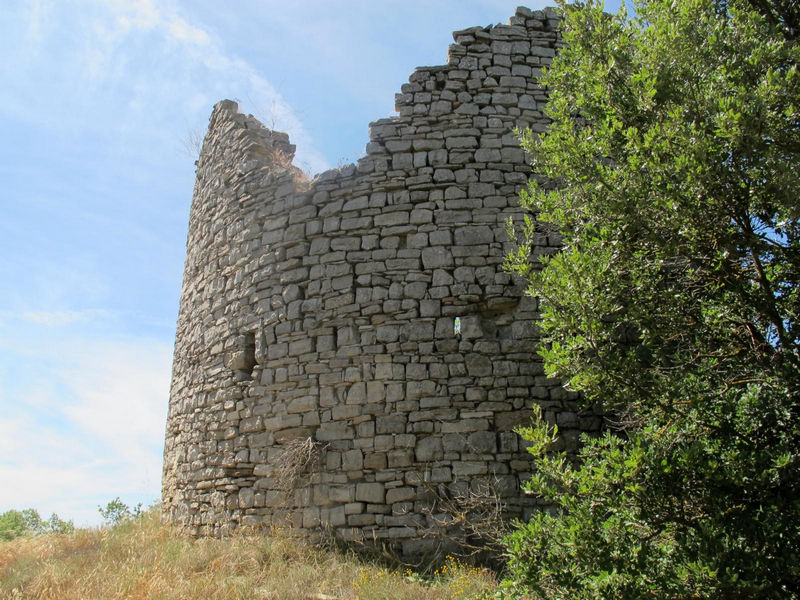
column 349, row 351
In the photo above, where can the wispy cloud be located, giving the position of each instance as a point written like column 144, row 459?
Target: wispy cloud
column 138, row 14
column 56, row 318
column 144, row 68
column 120, row 392
column 180, row 30
column 91, row 431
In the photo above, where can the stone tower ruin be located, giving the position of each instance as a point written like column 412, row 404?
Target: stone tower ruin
column 349, row 352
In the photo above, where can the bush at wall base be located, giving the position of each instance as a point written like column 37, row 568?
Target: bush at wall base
column 674, row 305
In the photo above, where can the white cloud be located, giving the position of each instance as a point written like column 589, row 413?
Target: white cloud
column 35, row 16
column 55, row 318
column 121, row 391
column 88, row 430
column 182, row 31
column 137, row 14
column 137, row 67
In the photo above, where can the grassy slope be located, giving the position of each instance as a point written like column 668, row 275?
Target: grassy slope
column 143, row 559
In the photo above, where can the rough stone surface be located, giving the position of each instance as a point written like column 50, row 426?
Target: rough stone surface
column 320, row 315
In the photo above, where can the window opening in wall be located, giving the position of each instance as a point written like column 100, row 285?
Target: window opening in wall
column 250, row 351
column 243, row 357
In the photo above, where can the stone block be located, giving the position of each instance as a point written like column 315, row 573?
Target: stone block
column 385, row 371
column 420, row 389
column 487, row 155
column 326, row 343
column 437, row 257
column 415, row 289
column 403, row 161
column 352, row 460
column 333, row 517
column 464, row 274
column 384, row 442
column 376, row 391
column 333, row 431
column 471, row 328
column 509, row 442
column 333, row 460
column 508, row 421
column 443, row 175
column 399, row 458
column 420, row 216
column 246, row 498
column 357, row 394
column 390, row 424
column 360, row 520
column 482, row 442
column 465, row 426
column 461, row 142
column 347, row 336
column 292, row 434
column 440, row 238
column 471, row 236
column 405, row 440
column 400, row 494
column 311, row 517
column 341, row 493
column 391, row 219
column 454, row 442
column 366, row 429
column 345, row 412
column 398, row 145
column 251, row 424
column 416, row 371
column 387, row 333
column 445, row 328
column 302, row 404
column 463, row 469
column 354, row 508
column 418, row 331
column 478, row 365
column 375, row 461
column 373, row 493
column 539, row 51
column 304, row 346
column 429, row 449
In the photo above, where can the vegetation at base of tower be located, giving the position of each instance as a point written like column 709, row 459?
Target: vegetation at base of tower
column 672, row 168
column 143, row 558
column 20, row 523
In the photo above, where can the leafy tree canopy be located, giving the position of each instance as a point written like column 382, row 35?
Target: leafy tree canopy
column 116, row 512
column 672, row 171
column 18, row 523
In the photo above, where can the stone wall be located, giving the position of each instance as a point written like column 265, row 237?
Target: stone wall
column 318, row 378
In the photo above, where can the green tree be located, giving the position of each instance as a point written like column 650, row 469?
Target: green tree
column 56, row 524
column 116, row 512
column 12, row 525
column 671, row 169
column 17, row 523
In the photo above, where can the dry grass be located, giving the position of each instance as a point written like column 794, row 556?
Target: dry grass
column 143, row 559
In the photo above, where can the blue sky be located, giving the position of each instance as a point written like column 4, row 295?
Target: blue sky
column 100, row 105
